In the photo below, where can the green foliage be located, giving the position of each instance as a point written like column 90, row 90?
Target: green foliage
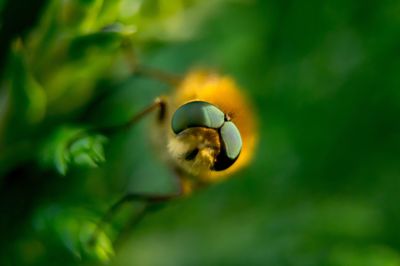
column 322, row 189
column 27, row 96
column 54, row 77
column 88, row 151
column 74, row 228
column 72, row 146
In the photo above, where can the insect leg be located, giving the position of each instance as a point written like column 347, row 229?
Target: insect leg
column 158, row 104
column 135, row 219
column 138, row 69
column 150, row 200
column 154, row 203
column 159, row 75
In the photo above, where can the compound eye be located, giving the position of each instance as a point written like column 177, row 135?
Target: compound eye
column 197, row 114
column 231, row 146
column 231, row 139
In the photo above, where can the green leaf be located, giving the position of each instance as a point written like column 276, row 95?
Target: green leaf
column 74, row 229
column 69, row 146
column 88, row 151
column 166, row 20
column 79, row 15
column 27, row 98
column 99, row 248
column 104, row 42
column 54, row 152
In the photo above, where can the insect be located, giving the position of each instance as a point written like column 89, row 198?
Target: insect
column 205, row 130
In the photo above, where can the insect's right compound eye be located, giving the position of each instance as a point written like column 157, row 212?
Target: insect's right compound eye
column 197, row 114
column 231, row 146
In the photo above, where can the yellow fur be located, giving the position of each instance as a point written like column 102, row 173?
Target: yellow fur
column 222, row 92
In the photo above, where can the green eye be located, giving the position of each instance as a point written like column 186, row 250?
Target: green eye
column 231, row 146
column 232, row 140
column 197, row 114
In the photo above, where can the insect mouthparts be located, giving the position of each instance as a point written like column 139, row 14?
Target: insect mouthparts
column 192, row 154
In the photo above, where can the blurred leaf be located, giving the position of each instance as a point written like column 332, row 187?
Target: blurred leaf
column 170, row 20
column 80, row 15
column 73, row 147
column 95, row 43
column 72, row 68
column 75, row 228
column 109, row 12
column 27, row 97
column 55, row 150
column 101, row 249
column 88, row 151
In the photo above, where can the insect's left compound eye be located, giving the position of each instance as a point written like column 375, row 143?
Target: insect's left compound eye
column 231, row 146
column 197, row 114
column 231, row 139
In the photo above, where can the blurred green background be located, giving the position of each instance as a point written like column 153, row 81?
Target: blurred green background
column 324, row 78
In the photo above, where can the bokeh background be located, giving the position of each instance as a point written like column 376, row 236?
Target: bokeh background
column 323, row 188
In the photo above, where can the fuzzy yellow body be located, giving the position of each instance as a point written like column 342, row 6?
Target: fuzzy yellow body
column 222, row 92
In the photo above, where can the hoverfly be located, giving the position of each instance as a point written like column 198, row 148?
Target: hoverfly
column 205, row 130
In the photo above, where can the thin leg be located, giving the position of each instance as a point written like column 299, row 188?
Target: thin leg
column 158, row 103
column 134, row 220
column 149, row 201
column 159, row 75
column 147, row 72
